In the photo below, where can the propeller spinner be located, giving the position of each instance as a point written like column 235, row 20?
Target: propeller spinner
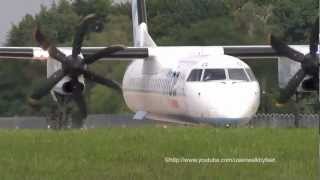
column 74, row 66
column 309, row 62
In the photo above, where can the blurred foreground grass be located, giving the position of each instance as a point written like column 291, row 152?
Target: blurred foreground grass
column 139, row 153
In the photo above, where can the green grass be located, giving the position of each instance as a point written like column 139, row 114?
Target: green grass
column 138, row 153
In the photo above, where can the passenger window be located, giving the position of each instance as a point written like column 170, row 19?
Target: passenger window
column 195, row 75
column 214, row 74
column 251, row 75
column 237, row 74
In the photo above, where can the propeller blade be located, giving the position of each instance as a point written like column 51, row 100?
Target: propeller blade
column 284, row 50
column 314, row 38
column 55, row 53
column 80, row 101
column 103, row 81
column 40, row 38
column 80, row 33
column 290, row 89
column 46, row 87
column 103, row 53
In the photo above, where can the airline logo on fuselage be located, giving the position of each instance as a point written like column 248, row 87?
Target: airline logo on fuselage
column 174, row 103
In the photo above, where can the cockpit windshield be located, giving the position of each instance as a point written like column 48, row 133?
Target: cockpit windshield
column 195, row 75
column 238, row 75
column 251, row 75
column 234, row 74
column 214, row 74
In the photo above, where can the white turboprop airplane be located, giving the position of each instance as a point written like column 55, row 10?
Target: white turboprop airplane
column 176, row 84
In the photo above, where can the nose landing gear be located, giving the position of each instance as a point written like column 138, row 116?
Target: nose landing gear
column 228, row 125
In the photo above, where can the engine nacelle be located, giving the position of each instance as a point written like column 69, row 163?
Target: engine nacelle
column 63, row 87
column 287, row 68
column 310, row 84
column 68, row 87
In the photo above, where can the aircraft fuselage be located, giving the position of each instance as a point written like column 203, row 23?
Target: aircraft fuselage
column 192, row 84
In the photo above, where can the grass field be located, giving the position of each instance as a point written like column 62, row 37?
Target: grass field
column 139, row 153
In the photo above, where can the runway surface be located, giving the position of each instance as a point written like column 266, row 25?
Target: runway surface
column 93, row 121
column 105, row 121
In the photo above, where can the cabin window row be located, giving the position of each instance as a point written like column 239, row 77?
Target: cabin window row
column 163, row 86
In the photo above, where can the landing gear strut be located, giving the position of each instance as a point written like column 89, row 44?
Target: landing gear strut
column 62, row 115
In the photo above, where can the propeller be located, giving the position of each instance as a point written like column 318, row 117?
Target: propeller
column 309, row 62
column 74, row 66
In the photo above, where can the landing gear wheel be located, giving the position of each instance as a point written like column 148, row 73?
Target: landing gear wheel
column 59, row 118
column 77, row 121
column 60, row 114
column 228, row 126
column 63, row 115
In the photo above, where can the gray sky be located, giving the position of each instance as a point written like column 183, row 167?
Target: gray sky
column 12, row 11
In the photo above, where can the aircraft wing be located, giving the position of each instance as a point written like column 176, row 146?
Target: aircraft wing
column 21, row 53
column 243, row 52
column 34, row 53
column 127, row 53
column 250, row 52
column 259, row 52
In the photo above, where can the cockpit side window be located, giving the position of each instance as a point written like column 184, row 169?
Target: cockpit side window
column 214, row 74
column 251, row 75
column 238, row 75
column 195, row 75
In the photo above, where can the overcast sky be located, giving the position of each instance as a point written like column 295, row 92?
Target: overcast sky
column 12, row 11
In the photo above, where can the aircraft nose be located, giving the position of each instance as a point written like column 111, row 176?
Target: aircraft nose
column 224, row 103
column 236, row 106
